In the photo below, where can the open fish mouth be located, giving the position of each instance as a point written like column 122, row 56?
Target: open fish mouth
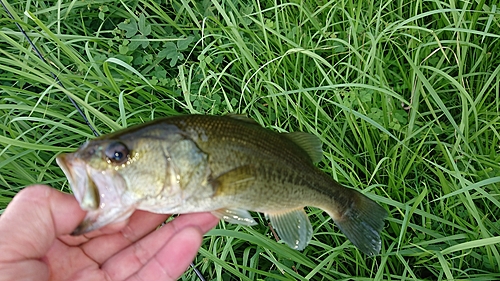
column 100, row 193
column 83, row 187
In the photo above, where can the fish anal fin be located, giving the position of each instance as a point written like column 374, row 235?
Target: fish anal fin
column 293, row 227
column 311, row 144
column 362, row 223
column 237, row 216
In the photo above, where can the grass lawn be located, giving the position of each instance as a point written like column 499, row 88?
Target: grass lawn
column 405, row 96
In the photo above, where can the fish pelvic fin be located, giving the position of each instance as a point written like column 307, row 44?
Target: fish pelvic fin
column 293, row 227
column 362, row 223
column 237, row 216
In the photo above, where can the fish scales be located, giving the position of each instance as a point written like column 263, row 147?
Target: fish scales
column 254, row 145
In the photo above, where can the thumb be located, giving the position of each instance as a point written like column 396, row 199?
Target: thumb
column 33, row 220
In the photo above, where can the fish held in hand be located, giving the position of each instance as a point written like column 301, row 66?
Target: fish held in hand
column 227, row 165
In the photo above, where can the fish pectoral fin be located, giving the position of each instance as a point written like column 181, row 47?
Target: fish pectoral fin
column 293, row 227
column 229, row 184
column 311, row 144
column 237, row 216
column 234, row 181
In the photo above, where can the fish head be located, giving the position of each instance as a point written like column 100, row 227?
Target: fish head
column 112, row 176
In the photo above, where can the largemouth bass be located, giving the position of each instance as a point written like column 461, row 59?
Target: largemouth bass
column 227, row 165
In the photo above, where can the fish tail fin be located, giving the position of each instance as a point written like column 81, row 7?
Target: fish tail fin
column 361, row 221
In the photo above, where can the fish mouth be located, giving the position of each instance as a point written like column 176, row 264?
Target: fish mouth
column 100, row 193
column 83, row 187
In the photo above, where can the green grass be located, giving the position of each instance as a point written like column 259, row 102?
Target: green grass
column 405, row 97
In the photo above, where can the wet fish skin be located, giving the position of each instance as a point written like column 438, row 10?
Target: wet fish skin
column 223, row 164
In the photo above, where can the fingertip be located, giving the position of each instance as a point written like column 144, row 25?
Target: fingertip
column 173, row 258
column 209, row 221
column 205, row 221
column 176, row 256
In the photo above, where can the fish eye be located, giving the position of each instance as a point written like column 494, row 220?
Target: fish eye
column 117, row 153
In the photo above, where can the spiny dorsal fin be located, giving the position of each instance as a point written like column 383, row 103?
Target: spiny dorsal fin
column 293, row 227
column 309, row 143
column 242, row 117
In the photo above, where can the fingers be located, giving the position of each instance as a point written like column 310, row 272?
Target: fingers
column 140, row 224
column 154, row 247
column 34, row 218
column 173, row 258
column 205, row 221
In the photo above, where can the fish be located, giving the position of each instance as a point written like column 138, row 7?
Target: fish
column 227, row 165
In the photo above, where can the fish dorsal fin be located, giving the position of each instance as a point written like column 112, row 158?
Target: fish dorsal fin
column 293, row 227
column 242, row 117
column 311, row 144
column 237, row 216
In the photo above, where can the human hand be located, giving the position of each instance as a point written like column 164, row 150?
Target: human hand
column 35, row 243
